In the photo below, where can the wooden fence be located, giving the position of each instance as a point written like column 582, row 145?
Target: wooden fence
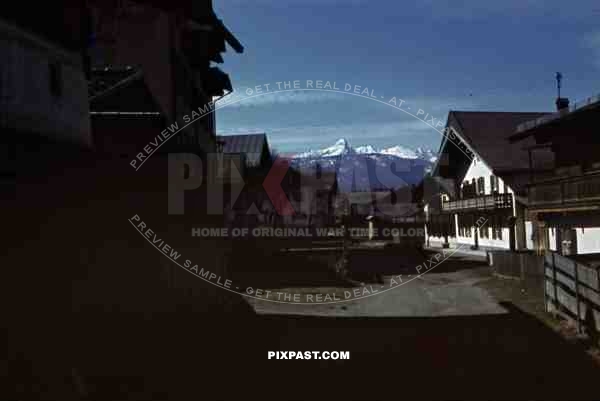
column 572, row 289
column 525, row 266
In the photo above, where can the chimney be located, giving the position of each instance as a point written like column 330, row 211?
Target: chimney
column 562, row 105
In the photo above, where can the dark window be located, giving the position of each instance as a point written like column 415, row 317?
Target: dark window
column 497, row 228
column 493, row 183
column 464, row 229
column 55, row 71
column 469, row 189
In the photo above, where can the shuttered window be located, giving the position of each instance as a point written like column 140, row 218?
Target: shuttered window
column 493, row 183
column 481, row 186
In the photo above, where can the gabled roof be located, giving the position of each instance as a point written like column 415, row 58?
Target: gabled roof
column 252, row 145
column 487, row 133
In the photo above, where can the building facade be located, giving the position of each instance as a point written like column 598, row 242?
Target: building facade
column 477, row 196
column 564, row 204
column 85, row 86
column 43, row 85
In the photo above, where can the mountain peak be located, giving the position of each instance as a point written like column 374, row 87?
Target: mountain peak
column 342, row 147
column 356, row 167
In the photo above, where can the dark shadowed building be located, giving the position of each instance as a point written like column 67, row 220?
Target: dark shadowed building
column 252, row 154
column 255, row 147
column 102, row 309
column 564, row 203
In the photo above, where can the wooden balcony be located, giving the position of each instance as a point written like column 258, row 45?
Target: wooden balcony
column 580, row 190
column 483, row 202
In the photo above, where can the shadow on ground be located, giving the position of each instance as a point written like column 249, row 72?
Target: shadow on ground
column 484, row 357
column 277, row 269
column 511, row 356
column 128, row 337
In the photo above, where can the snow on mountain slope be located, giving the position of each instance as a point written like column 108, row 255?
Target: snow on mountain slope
column 343, row 147
column 367, row 149
column 366, row 168
column 401, row 152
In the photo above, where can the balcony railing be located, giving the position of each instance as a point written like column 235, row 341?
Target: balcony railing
column 483, row 202
column 566, row 191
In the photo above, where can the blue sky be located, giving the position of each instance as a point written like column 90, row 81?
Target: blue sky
column 434, row 55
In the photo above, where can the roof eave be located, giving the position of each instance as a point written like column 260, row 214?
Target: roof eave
column 230, row 38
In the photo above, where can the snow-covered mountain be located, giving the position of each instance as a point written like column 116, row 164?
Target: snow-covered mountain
column 366, row 168
column 339, row 148
column 342, row 147
column 401, row 152
column 427, row 154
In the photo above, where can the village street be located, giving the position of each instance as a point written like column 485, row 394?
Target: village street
column 441, row 336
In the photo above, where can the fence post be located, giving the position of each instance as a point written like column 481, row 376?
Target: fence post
column 577, row 298
column 544, row 284
column 556, row 302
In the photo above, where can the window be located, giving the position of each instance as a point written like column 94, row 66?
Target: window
column 493, row 184
column 481, row 186
column 483, row 231
column 497, row 228
column 468, row 189
column 55, row 79
column 464, row 229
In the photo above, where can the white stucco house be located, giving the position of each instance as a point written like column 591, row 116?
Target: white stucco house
column 483, row 199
